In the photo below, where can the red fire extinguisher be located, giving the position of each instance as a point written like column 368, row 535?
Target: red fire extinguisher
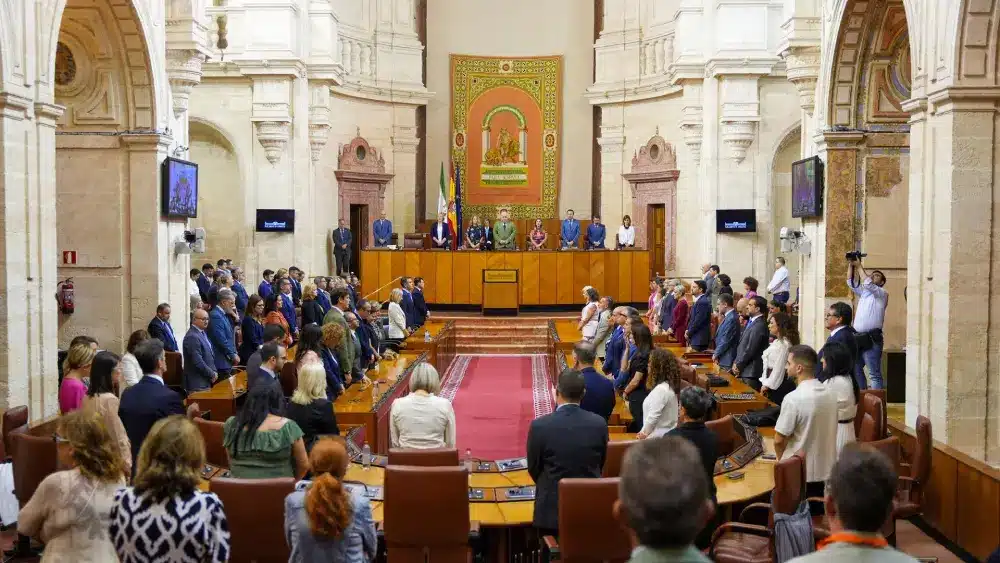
column 65, row 296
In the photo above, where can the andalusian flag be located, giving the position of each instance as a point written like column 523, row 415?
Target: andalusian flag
column 443, row 198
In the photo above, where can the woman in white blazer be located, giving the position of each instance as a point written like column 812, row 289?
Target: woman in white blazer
column 397, row 318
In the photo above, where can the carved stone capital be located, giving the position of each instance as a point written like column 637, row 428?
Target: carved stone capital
column 691, row 127
column 13, row 106
column 183, row 73
column 319, row 119
column 802, row 68
column 738, row 136
column 273, row 136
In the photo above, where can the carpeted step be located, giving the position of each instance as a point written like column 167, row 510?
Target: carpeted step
column 496, row 347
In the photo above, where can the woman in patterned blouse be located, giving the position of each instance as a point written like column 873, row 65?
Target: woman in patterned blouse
column 164, row 517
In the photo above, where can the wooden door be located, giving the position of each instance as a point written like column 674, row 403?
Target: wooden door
column 656, row 237
column 360, row 228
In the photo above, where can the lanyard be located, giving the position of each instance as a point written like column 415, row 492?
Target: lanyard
column 854, row 539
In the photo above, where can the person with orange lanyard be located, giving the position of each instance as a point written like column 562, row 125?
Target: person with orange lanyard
column 858, row 503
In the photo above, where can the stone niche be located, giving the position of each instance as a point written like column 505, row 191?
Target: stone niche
column 361, row 180
column 654, row 182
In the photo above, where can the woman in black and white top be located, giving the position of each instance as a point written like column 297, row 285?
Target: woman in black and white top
column 773, row 382
column 636, row 365
column 163, row 516
column 838, row 374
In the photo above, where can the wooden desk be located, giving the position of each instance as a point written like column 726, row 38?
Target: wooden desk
column 224, row 398
column 441, row 349
column 545, row 277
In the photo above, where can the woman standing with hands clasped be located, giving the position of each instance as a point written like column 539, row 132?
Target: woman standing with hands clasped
column 635, row 366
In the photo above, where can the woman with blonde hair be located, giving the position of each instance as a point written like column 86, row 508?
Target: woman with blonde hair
column 397, row 318
column 422, row 420
column 312, row 309
column 324, row 520
column 163, row 516
column 71, row 510
column 310, row 408
column 590, row 315
column 475, row 236
column 76, row 368
column 659, row 408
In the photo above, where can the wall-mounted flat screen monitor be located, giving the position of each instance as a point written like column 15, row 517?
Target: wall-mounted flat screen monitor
column 736, row 220
column 179, row 189
column 807, row 187
column 275, row 220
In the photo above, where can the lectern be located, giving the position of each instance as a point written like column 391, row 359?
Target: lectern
column 500, row 292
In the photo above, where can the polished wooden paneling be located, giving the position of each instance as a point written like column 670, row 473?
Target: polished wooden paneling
column 369, row 272
column 445, row 280
column 978, row 530
column 495, row 261
column 399, row 266
column 477, row 263
column 548, row 264
column 582, row 274
column 625, row 275
column 610, row 286
column 460, row 275
column 428, row 270
column 512, row 260
column 384, row 274
column 500, row 295
column 529, row 285
column 565, row 291
column 640, row 284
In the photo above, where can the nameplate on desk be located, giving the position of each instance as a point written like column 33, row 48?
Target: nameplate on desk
column 371, row 492
column 500, row 276
column 477, row 495
column 515, row 464
column 519, row 493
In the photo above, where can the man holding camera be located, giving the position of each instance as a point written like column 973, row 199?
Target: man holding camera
column 868, row 317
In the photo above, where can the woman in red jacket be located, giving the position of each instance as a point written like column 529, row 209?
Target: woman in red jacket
column 680, row 323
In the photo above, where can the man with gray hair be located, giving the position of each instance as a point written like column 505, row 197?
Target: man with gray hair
column 663, row 500
column 616, row 342
column 222, row 333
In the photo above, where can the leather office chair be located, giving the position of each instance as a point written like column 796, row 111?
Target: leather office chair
column 255, row 510
column 436, row 457
column 212, row 433
column 880, row 393
column 739, row 542
column 615, row 456
column 174, row 377
column 289, row 378
column 874, row 407
column 14, row 418
column 442, row 539
column 588, row 530
column 729, row 440
column 914, row 476
column 35, row 458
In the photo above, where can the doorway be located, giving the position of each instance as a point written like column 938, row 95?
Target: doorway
column 656, row 237
column 359, row 227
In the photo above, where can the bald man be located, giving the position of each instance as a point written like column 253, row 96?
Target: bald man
column 199, row 358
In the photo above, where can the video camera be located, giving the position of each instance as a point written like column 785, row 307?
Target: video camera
column 855, row 256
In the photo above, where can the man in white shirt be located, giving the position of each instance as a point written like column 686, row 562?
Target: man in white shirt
column 780, row 285
column 869, row 315
column 808, row 420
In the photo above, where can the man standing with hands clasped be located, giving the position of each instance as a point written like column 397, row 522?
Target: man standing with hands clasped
column 869, row 315
column 342, row 239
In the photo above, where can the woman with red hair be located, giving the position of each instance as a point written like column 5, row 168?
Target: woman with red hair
column 324, row 520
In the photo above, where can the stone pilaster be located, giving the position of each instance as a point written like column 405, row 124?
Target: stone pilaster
column 616, row 196
column 692, row 123
column 400, row 195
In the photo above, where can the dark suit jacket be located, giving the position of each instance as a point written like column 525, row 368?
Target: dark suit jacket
column 419, row 307
column 568, row 443
column 312, row 312
column 257, row 377
column 845, row 336
column 204, row 285
column 447, row 234
column 142, row 405
column 753, row 342
column 699, row 325
column 599, row 397
column 162, row 332
column 223, row 338
column 242, row 297
column 727, row 338
column 613, row 351
column 488, row 236
column 342, row 237
column 296, row 291
column 199, row 362
column 288, row 311
column 409, row 309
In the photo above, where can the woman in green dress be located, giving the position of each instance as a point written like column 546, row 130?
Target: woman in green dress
column 262, row 443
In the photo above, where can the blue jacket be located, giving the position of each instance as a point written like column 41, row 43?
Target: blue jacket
column 599, row 397
column 382, row 229
column 667, row 311
column 365, row 338
column 296, row 290
column 846, row 337
column 595, row 235
column 623, row 377
column 223, row 339
column 204, row 286
column 343, row 236
column 613, row 351
column 199, row 361
column 288, row 311
column 324, row 301
column 334, row 380
column 700, row 322
column 569, row 233
column 264, row 289
column 253, row 338
column 727, row 338
column 142, row 405
column 163, row 332
column 409, row 309
column 242, row 297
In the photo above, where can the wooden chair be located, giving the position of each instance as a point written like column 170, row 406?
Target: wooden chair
column 915, row 476
column 588, row 530
column 435, row 457
column 14, row 419
column 729, row 440
column 34, row 459
column 615, row 456
column 409, row 491
column 174, row 377
column 212, row 433
column 859, row 417
column 255, row 510
column 873, row 419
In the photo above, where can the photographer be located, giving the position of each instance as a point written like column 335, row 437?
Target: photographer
column 869, row 316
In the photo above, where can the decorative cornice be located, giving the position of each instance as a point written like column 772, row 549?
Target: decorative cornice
column 830, row 139
column 759, row 66
column 183, row 73
column 633, row 90
column 738, row 136
column 415, row 95
column 273, row 136
column 802, row 65
column 48, row 114
column 13, row 106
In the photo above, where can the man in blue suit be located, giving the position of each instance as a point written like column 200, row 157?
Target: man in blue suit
column 264, row 289
column 242, row 297
column 322, row 296
column 727, row 336
column 199, row 358
column 616, row 342
column 569, row 233
column 288, row 307
column 699, row 329
column 838, row 322
column 599, row 394
column 160, row 329
column 382, row 230
column 222, row 333
column 420, row 311
column 342, row 239
column 295, row 276
column 366, row 334
column 150, row 399
column 596, row 233
column 408, row 307
column 205, row 280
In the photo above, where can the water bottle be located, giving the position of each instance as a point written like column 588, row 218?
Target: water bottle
column 427, row 336
column 375, row 391
column 366, row 457
column 468, row 460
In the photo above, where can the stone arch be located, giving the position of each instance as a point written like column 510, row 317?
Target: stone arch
column 787, row 148
column 222, row 190
column 968, row 43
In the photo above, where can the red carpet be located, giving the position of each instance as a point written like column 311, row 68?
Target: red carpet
column 494, row 404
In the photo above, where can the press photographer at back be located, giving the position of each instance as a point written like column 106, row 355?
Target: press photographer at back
column 868, row 317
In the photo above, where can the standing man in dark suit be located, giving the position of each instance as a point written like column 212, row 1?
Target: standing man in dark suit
column 345, row 349
column 272, row 334
column 727, row 336
column 205, row 281
column 342, row 239
column 148, row 400
column 272, row 358
column 599, row 391
column 420, row 311
column 699, row 328
column 749, row 365
column 242, row 297
column 838, row 322
column 199, row 359
column 160, row 329
column 441, row 233
column 366, row 334
column 222, row 333
column 382, row 231
column 616, row 342
column 569, row 443
column 288, row 306
column 487, row 236
column 264, row 289
column 295, row 277
column 409, row 309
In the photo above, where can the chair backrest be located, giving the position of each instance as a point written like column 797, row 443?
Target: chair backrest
column 588, row 530
column 255, row 510
column 862, row 409
column 789, row 484
column 874, row 406
column 289, row 378
column 13, row 418
column 174, row 377
column 411, row 490
column 868, row 431
column 615, row 456
column 726, row 434
column 35, row 458
column 921, row 463
column 436, row 457
column 890, row 447
column 212, row 433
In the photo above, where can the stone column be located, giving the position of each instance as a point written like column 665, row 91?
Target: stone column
column 400, row 195
column 616, row 195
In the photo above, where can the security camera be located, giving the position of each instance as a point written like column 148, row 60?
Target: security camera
column 199, row 234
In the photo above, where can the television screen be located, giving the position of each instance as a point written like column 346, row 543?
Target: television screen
column 179, row 190
column 807, row 187
column 275, row 220
column 736, row 220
